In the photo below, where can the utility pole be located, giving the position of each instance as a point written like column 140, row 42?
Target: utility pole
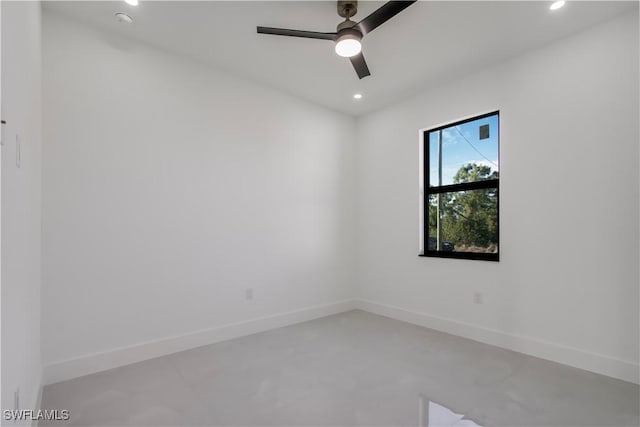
column 439, row 212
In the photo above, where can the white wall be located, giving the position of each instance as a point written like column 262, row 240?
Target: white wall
column 566, row 286
column 170, row 188
column 21, row 195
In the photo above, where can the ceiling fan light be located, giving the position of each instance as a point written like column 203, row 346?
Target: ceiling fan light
column 348, row 47
column 348, row 42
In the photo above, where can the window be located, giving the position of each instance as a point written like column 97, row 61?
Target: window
column 460, row 176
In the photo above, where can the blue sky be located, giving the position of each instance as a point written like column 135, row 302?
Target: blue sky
column 461, row 145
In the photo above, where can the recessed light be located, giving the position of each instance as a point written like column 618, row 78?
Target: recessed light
column 556, row 5
column 131, row 2
column 357, row 96
column 124, row 18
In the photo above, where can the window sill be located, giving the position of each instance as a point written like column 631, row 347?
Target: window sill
column 461, row 255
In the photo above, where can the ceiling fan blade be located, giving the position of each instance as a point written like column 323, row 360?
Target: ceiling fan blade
column 382, row 15
column 360, row 65
column 296, row 33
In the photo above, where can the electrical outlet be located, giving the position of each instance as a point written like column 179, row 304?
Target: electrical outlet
column 248, row 294
column 478, row 297
column 16, row 399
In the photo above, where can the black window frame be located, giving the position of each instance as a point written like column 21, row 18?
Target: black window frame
column 478, row 185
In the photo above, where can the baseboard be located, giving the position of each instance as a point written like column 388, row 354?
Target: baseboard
column 97, row 362
column 605, row 365
column 89, row 364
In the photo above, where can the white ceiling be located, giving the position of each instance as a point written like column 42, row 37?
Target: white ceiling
column 422, row 46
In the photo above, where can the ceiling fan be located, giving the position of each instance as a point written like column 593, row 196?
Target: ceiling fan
column 349, row 34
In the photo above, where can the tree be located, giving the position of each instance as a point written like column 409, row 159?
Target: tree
column 468, row 218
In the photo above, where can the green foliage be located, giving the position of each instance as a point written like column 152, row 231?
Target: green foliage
column 472, row 172
column 469, row 218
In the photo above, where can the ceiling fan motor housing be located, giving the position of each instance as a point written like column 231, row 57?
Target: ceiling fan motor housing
column 348, row 33
column 346, row 24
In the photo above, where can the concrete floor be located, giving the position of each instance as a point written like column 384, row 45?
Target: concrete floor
column 353, row 368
